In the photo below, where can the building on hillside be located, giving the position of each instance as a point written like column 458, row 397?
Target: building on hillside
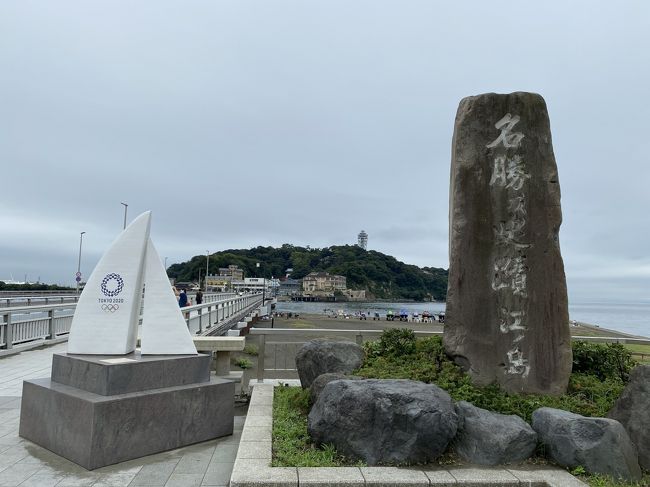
column 230, row 278
column 323, row 282
column 362, row 240
column 257, row 284
column 290, row 287
column 232, row 271
column 352, row 295
column 219, row 283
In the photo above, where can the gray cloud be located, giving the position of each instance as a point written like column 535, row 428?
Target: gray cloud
column 259, row 123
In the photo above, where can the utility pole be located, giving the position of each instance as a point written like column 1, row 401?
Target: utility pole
column 207, row 267
column 81, row 239
column 125, row 207
column 258, row 265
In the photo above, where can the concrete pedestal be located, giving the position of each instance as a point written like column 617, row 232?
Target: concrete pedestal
column 88, row 422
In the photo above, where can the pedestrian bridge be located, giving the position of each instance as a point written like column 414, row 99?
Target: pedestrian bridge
column 32, row 319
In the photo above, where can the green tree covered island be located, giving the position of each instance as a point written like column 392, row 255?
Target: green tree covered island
column 33, row 287
column 382, row 276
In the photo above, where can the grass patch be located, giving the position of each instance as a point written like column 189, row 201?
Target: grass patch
column 605, row 481
column 292, row 446
column 641, row 353
column 251, row 350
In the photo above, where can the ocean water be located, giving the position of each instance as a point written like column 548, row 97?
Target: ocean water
column 626, row 317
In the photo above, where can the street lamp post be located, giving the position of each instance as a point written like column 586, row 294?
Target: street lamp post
column 81, row 239
column 125, row 207
column 263, row 284
column 207, row 266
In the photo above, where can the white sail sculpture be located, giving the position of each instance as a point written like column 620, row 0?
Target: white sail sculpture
column 107, row 314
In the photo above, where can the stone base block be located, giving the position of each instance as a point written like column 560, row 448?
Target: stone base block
column 93, row 430
column 109, row 375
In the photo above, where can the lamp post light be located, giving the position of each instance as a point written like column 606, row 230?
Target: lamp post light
column 125, row 207
column 207, row 266
column 81, row 239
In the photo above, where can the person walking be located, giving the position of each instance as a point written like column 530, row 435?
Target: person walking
column 199, row 297
column 182, row 300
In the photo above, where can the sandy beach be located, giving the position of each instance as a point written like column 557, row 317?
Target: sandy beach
column 310, row 320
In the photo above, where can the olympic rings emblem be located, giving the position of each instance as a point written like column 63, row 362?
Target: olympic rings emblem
column 110, row 308
column 111, row 293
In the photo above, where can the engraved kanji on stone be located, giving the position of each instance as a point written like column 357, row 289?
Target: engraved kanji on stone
column 506, row 138
column 499, row 172
column 515, row 173
column 511, row 321
column 517, row 364
column 509, row 233
column 509, row 172
column 510, row 273
column 517, row 207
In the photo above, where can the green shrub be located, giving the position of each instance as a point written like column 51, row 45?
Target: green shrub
column 604, row 360
column 243, row 363
column 394, row 342
column 587, row 394
column 251, row 350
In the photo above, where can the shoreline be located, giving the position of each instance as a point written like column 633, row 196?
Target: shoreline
column 578, row 328
column 606, row 331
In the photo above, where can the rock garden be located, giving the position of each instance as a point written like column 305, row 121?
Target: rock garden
column 402, row 401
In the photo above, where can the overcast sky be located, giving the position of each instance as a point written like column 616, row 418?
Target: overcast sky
column 245, row 123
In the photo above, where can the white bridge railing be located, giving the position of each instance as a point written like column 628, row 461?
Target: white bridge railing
column 21, row 324
column 36, row 300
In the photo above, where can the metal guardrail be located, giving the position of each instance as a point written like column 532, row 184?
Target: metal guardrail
column 283, row 353
column 52, row 320
column 48, row 322
column 222, row 310
column 32, row 300
column 8, row 294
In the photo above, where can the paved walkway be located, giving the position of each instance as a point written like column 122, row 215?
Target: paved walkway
column 22, row 463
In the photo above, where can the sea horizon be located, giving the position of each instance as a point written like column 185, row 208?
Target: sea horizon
column 632, row 317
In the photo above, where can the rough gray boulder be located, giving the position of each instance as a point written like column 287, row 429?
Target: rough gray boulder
column 321, row 356
column 488, row 438
column 507, row 315
column 322, row 380
column 384, row 421
column 632, row 410
column 600, row 445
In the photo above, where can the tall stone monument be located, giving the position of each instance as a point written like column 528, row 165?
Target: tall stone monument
column 507, row 318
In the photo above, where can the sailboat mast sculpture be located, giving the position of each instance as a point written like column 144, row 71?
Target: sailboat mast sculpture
column 97, row 409
column 107, row 315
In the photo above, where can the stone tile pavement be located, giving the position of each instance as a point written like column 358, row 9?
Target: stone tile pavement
column 25, row 464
